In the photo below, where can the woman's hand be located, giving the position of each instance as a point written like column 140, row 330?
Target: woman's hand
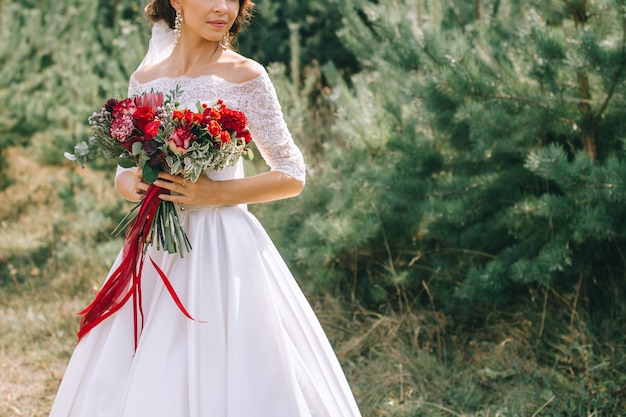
column 201, row 192
column 130, row 185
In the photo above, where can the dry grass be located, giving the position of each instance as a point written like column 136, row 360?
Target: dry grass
column 34, row 354
column 44, row 270
column 392, row 362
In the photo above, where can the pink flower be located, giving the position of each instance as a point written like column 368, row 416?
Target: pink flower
column 179, row 140
column 122, row 127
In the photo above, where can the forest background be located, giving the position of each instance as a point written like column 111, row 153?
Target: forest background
column 462, row 234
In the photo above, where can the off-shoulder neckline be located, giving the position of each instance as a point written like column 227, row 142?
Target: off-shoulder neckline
column 192, row 78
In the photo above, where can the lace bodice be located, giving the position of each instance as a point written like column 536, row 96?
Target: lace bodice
column 256, row 98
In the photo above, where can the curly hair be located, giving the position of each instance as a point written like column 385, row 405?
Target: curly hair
column 158, row 10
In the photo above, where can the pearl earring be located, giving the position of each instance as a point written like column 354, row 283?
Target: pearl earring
column 177, row 23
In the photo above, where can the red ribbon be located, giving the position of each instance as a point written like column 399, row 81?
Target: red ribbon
column 125, row 281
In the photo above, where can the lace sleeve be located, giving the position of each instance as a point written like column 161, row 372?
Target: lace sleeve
column 269, row 129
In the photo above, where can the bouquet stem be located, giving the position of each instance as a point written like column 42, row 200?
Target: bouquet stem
column 152, row 218
column 165, row 226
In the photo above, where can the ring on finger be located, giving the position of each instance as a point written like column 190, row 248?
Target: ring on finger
column 183, row 183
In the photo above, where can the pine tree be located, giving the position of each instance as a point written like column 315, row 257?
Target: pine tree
column 313, row 25
column 480, row 151
column 58, row 62
column 536, row 134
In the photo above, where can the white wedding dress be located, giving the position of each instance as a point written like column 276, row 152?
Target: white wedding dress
column 257, row 349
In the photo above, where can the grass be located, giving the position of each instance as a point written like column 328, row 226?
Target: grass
column 535, row 359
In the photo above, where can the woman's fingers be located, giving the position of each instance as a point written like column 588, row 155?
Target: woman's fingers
column 140, row 186
column 184, row 190
column 177, row 184
column 172, row 178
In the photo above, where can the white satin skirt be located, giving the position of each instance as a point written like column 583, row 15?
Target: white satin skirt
column 256, row 349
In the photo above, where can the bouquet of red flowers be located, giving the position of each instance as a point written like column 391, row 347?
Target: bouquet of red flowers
column 151, row 132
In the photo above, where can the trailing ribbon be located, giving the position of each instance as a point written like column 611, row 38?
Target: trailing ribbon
column 125, row 281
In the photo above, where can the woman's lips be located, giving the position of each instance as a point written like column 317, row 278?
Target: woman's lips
column 217, row 23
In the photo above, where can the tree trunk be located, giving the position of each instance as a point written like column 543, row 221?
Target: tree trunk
column 115, row 6
column 419, row 13
column 294, row 46
column 2, row 169
column 589, row 140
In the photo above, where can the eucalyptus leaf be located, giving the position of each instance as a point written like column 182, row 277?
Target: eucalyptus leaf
column 126, row 161
column 143, row 158
column 137, row 148
column 81, row 149
column 69, row 156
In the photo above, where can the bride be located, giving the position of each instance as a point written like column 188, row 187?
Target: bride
column 256, row 348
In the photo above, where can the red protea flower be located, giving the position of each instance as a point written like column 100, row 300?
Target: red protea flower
column 152, row 100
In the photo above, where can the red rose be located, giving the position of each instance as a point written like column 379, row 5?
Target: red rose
column 179, row 140
column 178, row 115
column 143, row 116
column 224, row 137
column 214, row 128
column 192, row 118
column 151, row 129
column 209, row 114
